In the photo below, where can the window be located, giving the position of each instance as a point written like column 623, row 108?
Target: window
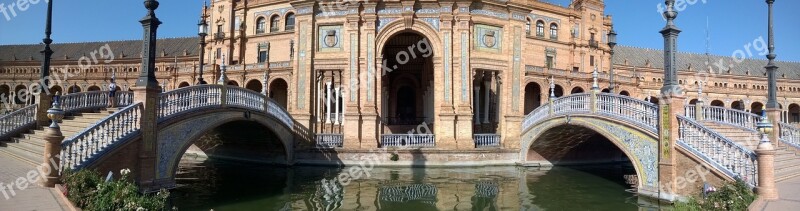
column 274, row 23
column 549, row 62
column 262, row 56
column 528, row 27
column 591, row 37
column 261, row 25
column 591, row 61
column 553, row 31
column 218, row 54
column 540, row 28
column 290, row 21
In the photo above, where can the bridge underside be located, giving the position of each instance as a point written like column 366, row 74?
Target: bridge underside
column 567, row 145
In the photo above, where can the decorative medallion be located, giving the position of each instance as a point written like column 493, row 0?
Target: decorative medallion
column 330, row 38
column 489, row 39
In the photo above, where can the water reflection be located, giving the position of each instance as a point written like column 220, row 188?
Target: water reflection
column 222, row 185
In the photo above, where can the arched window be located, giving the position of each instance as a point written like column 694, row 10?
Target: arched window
column 528, row 27
column 261, row 25
column 274, row 23
column 540, row 28
column 553, row 31
column 289, row 22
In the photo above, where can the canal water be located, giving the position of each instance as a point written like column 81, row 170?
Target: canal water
column 227, row 185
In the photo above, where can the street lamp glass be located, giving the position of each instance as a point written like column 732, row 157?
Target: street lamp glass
column 203, row 28
column 612, row 37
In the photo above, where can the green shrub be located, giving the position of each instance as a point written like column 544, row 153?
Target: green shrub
column 731, row 196
column 394, row 157
column 87, row 190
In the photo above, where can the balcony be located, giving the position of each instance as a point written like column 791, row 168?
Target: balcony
column 486, row 140
column 329, row 141
column 408, row 140
column 260, row 31
column 219, row 35
column 593, row 43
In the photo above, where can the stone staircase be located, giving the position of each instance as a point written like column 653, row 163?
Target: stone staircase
column 29, row 147
column 787, row 162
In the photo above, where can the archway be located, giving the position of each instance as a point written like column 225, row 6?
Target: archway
column 693, row 102
column 183, row 84
column 756, row 108
column 74, row 89
column 5, row 91
column 408, row 88
column 279, row 91
column 20, row 97
column 93, row 88
column 233, row 83
column 606, row 90
column 717, row 103
column 738, row 105
column 533, row 97
column 56, row 89
column 559, row 91
column 794, row 113
column 653, row 99
column 625, row 93
column 576, row 90
column 254, row 85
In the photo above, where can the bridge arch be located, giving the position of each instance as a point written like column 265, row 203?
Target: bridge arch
column 638, row 145
column 177, row 134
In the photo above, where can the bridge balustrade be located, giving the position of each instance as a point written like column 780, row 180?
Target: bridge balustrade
column 572, row 104
column 81, row 101
column 486, row 140
column 727, row 156
column 408, row 140
column 189, row 98
column 638, row 112
column 790, row 135
column 733, row 117
column 690, row 111
column 329, row 140
column 245, row 98
column 13, row 122
column 91, row 143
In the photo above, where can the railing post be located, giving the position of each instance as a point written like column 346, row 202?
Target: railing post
column 698, row 111
column 551, row 108
column 43, row 101
column 593, row 100
column 223, row 96
column 766, row 169
column 52, row 146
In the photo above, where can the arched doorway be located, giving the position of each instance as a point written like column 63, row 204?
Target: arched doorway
column 56, row 89
column 408, row 88
column 93, row 88
column 717, row 103
column 606, row 90
column 279, row 91
column 756, row 108
column 559, row 91
column 254, row 85
column 652, row 99
column 794, row 113
column 183, row 84
column 233, row 83
column 738, row 105
column 5, row 91
column 576, row 90
column 693, row 102
column 74, row 89
column 21, row 97
column 533, row 97
column 625, row 93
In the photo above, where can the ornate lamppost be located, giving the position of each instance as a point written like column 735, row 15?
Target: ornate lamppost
column 202, row 32
column 612, row 42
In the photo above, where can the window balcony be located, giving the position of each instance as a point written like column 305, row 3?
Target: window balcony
column 219, row 35
column 408, row 140
column 486, row 140
column 329, row 141
column 260, row 31
column 593, row 43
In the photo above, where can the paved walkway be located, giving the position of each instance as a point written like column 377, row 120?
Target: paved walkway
column 789, row 191
column 32, row 197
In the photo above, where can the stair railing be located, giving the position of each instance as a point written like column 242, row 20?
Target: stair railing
column 12, row 123
column 733, row 117
column 790, row 135
column 97, row 139
column 725, row 155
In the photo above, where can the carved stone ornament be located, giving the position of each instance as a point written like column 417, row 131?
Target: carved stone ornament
column 489, row 39
column 330, row 38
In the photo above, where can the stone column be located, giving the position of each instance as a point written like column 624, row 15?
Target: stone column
column 336, row 108
column 146, row 92
column 670, row 105
column 766, row 170
column 52, row 146
column 477, row 99
column 486, row 103
column 43, row 101
column 351, row 79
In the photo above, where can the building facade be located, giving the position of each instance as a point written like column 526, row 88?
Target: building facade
column 368, row 69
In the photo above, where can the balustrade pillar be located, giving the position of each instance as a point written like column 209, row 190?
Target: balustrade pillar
column 766, row 170
column 43, row 101
column 52, row 146
column 328, row 102
column 336, row 109
column 698, row 110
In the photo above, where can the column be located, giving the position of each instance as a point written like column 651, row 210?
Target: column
column 328, row 102
column 669, row 107
column 487, row 93
column 146, row 92
column 477, row 99
column 318, row 113
column 336, row 109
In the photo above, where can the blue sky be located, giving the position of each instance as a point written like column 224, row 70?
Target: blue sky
column 733, row 23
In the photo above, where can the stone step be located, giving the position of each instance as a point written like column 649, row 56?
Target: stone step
column 28, row 148
column 24, row 158
column 24, row 155
column 39, row 142
column 779, row 177
column 783, row 162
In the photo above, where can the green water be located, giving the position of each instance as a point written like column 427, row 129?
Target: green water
column 225, row 185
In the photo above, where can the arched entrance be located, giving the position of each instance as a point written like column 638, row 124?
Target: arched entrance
column 533, row 97
column 652, row 99
column 93, row 88
column 625, row 93
column 408, row 88
column 576, row 90
column 717, row 103
column 559, row 91
column 5, row 90
column 183, row 84
column 254, row 85
column 693, row 102
column 20, row 97
column 756, row 108
column 794, row 113
column 74, row 89
column 279, row 91
column 738, row 105
column 233, row 83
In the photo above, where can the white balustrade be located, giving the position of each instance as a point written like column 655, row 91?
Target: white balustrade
column 19, row 119
column 727, row 156
column 486, row 140
column 97, row 139
column 741, row 119
column 328, row 141
column 408, row 140
column 638, row 112
column 81, row 101
column 790, row 135
column 245, row 98
column 536, row 116
column 572, row 104
column 188, row 98
column 279, row 112
column 690, row 111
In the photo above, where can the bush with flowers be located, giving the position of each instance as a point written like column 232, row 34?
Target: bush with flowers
column 88, row 191
column 732, row 196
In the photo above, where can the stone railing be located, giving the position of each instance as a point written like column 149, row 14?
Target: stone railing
column 97, row 139
column 82, row 101
column 638, row 112
column 408, row 140
column 486, row 140
column 790, row 135
column 188, row 98
column 733, row 117
column 724, row 154
column 690, row 111
column 245, row 98
column 13, row 122
column 329, row 141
